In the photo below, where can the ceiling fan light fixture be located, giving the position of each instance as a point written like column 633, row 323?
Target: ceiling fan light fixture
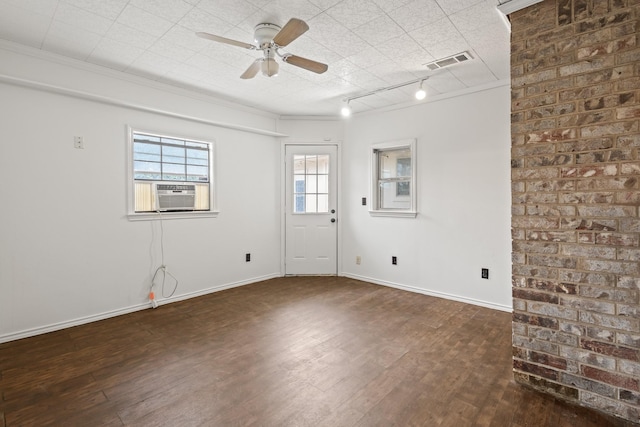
column 269, row 67
column 268, row 38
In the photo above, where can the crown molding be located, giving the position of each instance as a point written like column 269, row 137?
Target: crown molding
column 45, row 87
column 514, row 5
column 161, row 85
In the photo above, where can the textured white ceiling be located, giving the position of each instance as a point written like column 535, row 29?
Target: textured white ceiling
column 368, row 45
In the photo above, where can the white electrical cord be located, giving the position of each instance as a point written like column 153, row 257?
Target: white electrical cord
column 165, row 273
column 162, row 268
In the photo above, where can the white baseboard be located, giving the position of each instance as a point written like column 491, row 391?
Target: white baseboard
column 216, row 289
column 69, row 323
column 113, row 313
column 444, row 295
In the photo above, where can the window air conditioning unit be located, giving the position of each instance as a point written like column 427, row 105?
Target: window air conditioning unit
column 175, row 197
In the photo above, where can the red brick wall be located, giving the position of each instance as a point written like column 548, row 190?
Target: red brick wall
column 575, row 201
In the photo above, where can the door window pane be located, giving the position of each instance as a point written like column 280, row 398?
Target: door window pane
column 323, row 183
column 298, row 164
column 311, row 164
column 323, row 203
column 311, row 203
column 311, row 187
column 299, row 206
column 323, row 164
column 311, row 183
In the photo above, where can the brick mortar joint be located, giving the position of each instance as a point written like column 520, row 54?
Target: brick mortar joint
column 578, row 323
column 560, row 382
column 528, row 351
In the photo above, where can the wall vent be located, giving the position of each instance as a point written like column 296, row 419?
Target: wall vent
column 449, row 60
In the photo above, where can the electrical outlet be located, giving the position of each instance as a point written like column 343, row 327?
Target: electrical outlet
column 394, row 260
column 247, row 257
column 78, row 142
column 485, row 273
column 358, row 260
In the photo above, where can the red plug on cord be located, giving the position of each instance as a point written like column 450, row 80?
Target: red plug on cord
column 152, row 297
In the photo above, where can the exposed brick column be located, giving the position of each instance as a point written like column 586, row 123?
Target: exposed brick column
column 575, row 195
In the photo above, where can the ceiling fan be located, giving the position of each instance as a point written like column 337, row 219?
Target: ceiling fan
column 269, row 38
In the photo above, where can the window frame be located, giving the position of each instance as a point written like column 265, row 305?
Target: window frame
column 131, row 181
column 375, row 209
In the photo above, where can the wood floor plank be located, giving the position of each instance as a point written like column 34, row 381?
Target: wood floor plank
column 316, row 351
column 55, row 410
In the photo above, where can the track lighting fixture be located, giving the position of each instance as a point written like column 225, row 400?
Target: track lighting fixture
column 420, row 94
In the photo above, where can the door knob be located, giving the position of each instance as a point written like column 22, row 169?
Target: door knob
column 333, row 220
column 333, row 211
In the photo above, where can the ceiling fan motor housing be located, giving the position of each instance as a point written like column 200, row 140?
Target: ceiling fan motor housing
column 264, row 33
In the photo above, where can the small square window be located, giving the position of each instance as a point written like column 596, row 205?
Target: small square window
column 393, row 167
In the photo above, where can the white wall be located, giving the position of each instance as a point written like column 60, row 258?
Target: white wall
column 463, row 225
column 68, row 254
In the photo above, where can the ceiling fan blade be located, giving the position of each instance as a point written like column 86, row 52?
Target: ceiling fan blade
column 307, row 64
column 225, row 40
column 291, row 31
column 252, row 70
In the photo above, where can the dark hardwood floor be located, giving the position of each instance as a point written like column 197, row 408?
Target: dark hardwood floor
column 316, row 351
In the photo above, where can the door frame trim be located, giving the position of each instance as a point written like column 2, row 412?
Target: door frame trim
column 283, row 195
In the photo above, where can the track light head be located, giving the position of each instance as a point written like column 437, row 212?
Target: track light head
column 346, row 110
column 420, row 93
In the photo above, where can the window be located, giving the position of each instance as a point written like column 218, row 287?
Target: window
column 311, row 183
column 172, row 175
column 393, row 188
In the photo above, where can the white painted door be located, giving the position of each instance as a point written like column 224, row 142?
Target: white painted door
column 311, row 228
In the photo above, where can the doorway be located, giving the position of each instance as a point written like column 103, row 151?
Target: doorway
column 311, row 210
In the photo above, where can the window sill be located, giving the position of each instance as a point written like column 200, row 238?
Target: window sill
column 151, row 216
column 397, row 214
